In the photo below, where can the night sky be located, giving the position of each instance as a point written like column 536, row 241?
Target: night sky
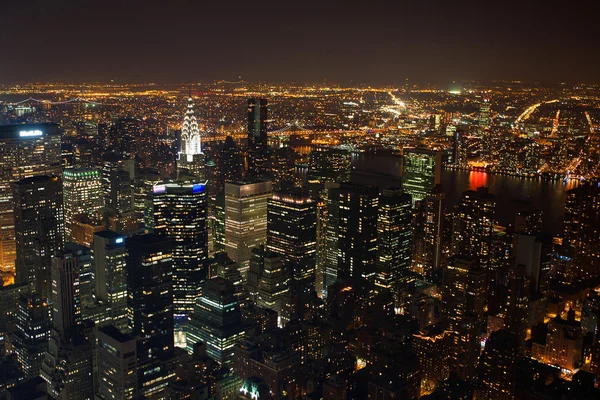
column 372, row 42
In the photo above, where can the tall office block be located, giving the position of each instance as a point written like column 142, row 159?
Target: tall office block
column 474, row 225
column 117, row 363
column 258, row 147
column 110, row 261
column 180, row 213
column 393, row 239
column 30, row 340
column 421, row 171
column 117, row 185
column 292, row 233
column 498, row 366
column 190, row 155
column 357, row 231
column 9, row 299
column 143, row 198
column 428, row 234
column 328, row 236
column 26, row 150
column 582, row 228
column 150, row 310
column 216, row 321
column 245, row 220
column 86, row 272
column 66, row 301
column 82, row 194
column 39, row 228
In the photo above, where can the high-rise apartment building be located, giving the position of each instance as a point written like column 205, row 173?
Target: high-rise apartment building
column 26, row 150
column 421, row 171
column 39, row 228
column 245, row 220
column 181, row 213
column 292, row 233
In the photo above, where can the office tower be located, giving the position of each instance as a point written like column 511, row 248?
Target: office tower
column 357, row 231
column 428, row 234
column 217, row 215
column 68, row 362
column 121, row 194
column 258, row 147
column 484, row 120
column 117, row 363
column 327, row 237
column 30, row 340
column 421, row 171
column 463, row 301
column 393, row 239
column 245, row 220
column 283, row 168
column 273, row 280
column 26, row 150
column 582, row 222
column 39, row 229
column 85, row 267
column 150, row 310
column 112, row 162
column 143, row 197
column 329, row 165
column 498, row 366
column 180, row 213
column 124, row 135
column 459, row 156
column 66, row 301
column 224, row 267
column 190, row 156
column 432, row 347
column 9, row 300
column 82, row 194
column 292, row 233
column 231, row 160
column 474, row 225
column 110, row 260
column 216, row 321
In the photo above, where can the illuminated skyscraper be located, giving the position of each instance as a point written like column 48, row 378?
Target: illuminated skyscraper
column 582, row 230
column 258, row 147
column 39, row 229
column 474, row 225
column 498, row 366
column 245, row 220
column 180, row 213
column 66, row 300
column 110, row 258
column 191, row 157
column 484, row 117
column 268, row 280
column 292, row 233
column 25, row 150
column 117, row 363
column 216, row 321
column 231, row 162
column 30, row 340
column 82, row 194
column 421, row 171
column 428, row 234
column 393, row 239
column 150, row 310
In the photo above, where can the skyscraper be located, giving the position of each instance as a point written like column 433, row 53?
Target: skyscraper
column 245, row 220
column 66, row 300
column 150, row 310
column 30, row 340
column 180, row 213
column 39, row 229
column 582, row 229
column 26, row 150
column 82, row 194
column 191, row 157
column 357, row 231
column 428, row 234
column 498, row 366
column 216, row 321
column 292, row 232
column 231, row 162
column 474, row 225
column 484, row 119
column 117, row 363
column 329, row 165
column 421, row 171
column 258, row 147
column 110, row 258
column 393, row 239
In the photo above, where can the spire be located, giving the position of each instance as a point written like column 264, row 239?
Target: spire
column 190, row 132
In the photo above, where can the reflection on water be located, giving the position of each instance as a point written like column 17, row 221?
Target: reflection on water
column 511, row 192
